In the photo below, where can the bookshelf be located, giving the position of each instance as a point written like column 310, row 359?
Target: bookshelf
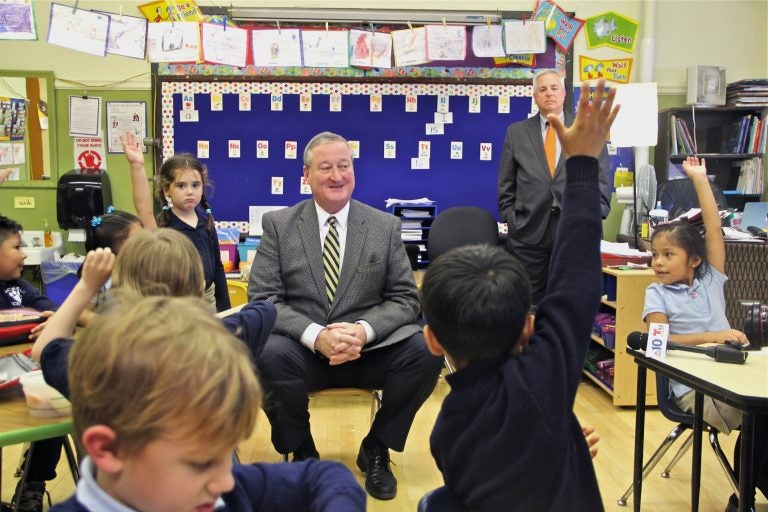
column 416, row 221
column 724, row 137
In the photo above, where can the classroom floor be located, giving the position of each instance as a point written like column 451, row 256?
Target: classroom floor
column 340, row 423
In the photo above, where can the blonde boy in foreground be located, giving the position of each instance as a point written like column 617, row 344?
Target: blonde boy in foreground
column 159, row 411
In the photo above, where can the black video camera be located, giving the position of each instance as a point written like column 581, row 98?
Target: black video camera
column 755, row 323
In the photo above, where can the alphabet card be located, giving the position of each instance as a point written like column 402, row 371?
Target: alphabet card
column 486, row 151
column 203, row 148
column 376, row 102
column 335, row 103
column 305, row 102
column 217, row 101
column 457, row 149
column 424, row 148
column 503, row 104
column 276, row 102
column 390, row 149
column 443, row 104
column 234, row 149
column 277, row 185
column 354, row 148
column 262, row 149
column 244, row 101
column 474, row 105
column 291, row 149
column 411, row 103
column 304, row 188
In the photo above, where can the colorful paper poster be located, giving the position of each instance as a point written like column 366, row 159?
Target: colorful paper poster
column 612, row 29
column 410, row 46
column 615, row 70
column 558, row 25
column 79, row 29
column 446, row 42
column 274, row 48
column 122, row 117
column 370, row 49
column 487, row 41
column 171, row 10
column 173, row 42
column 325, row 48
column 224, row 45
column 524, row 59
column 127, row 36
column 522, row 36
column 17, row 20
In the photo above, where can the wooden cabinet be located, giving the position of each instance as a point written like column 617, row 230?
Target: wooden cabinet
column 416, row 221
column 624, row 296
column 716, row 131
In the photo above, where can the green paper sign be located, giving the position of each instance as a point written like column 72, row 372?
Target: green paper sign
column 612, row 29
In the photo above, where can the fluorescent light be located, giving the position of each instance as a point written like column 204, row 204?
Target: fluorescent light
column 364, row 16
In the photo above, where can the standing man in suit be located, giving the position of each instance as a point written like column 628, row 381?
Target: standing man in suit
column 347, row 305
column 532, row 180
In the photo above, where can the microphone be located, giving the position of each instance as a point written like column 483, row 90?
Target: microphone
column 720, row 353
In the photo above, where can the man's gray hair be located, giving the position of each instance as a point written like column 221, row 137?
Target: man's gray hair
column 319, row 139
column 545, row 72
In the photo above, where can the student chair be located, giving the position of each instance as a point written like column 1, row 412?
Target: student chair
column 375, row 395
column 684, row 420
column 461, row 225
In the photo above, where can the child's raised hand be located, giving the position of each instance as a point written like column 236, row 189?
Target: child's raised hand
column 693, row 167
column 132, row 148
column 589, row 131
column 97, row 269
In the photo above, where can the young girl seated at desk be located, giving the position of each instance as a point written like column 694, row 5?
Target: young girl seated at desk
column 690, row 298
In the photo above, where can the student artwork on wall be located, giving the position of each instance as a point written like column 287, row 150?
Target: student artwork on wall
column 370, row 49
column 127, row 36
column 276, row 48
column 17, row 20
column 173, row 42
column 78, row 29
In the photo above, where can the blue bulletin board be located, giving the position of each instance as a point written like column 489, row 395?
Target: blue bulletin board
column 247, row 179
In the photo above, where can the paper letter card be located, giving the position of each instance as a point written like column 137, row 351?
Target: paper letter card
column 291, row 149
column 274, row 48
column 446, row 118
column 217, row 102
column 390, row 149
column 325, row 48
column 486, row 151
column 503, row 104
column 424, row 148
column 304, row 188
column 305, row 102
column 173, row 42
column 78, row 29
column 435, row 129
column 474, row 104
column 446, row 42
column 354, row 148
column 334, row 104
column 370, row 49
column 189, row 116
column 457, row 149
column 224, row 45
column 420, row 163
column 244, row 101
column 203, row 148
column 376, row 102
column 277, row 185
column 234, row 149
column 276, row 102
column 262, row 149
column 411, row 103
column 410, row 46
column 443, row 104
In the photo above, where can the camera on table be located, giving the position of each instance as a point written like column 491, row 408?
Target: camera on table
column 755, row 323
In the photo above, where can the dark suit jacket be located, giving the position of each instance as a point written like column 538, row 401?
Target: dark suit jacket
column 376, row 282
column 527, row 192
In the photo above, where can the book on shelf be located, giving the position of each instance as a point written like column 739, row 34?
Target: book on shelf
column 751, row 176
column 690, row 140
column 673, row 133
column 686, row 148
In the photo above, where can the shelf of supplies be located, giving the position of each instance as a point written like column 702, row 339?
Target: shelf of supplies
column 597, row 339
column 605, row 387
column 721, row 156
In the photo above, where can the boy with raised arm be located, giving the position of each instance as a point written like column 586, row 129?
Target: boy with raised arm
column 506, row 437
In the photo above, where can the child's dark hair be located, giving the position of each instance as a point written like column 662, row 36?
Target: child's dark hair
column 167, row 175
column 8, row 227
column 688, row 237
column 109, row 230
column 475, row 299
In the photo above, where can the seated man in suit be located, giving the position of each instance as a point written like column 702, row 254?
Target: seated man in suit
column 347, row 304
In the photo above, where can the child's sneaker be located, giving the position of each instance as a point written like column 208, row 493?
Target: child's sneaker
column 31, row 496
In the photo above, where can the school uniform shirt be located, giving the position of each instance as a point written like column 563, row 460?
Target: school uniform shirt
column 308, row 485
column 252, row 325
column 506, row 438
column 699, row 307
column 207, row 244
column 17, row 293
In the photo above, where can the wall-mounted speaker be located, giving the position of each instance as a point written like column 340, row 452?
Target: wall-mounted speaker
column 706, row 85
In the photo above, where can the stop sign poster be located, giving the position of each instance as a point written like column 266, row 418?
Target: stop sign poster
column 89, row 153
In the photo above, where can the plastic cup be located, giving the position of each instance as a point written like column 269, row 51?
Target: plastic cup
column 43, row 401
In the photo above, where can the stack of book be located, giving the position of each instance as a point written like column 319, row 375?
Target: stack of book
column 747, row 136
column 751, row 176
column 747, row 93
column 682, row 141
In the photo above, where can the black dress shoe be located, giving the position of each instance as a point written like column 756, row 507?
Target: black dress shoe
column 379, row 480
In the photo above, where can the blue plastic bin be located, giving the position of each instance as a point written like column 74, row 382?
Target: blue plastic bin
column 59, row 277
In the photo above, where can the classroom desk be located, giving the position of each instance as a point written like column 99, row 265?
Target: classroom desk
column 743, row 386
column 18, row 426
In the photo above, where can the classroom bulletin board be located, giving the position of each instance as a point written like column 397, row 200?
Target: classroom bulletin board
column 371, row 115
